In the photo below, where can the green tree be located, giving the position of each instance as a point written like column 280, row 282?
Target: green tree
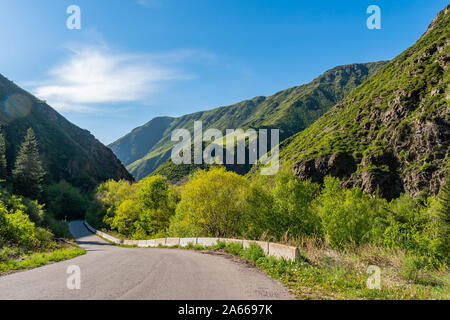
column 142, row 210
column 66, row 202
column 280, row 204
column 28, row 173
column 3, row 170
column 348, row 215
column 212, row 201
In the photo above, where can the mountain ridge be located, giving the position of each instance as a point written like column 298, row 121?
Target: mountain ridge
column 290, row 110
column 67, row 151
column 391, row 134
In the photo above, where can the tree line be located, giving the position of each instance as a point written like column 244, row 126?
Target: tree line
column 218, row 203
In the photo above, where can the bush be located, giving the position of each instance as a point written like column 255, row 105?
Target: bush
column 282, row 204
column 413, row 225
column 234, row 248
column 65, row 202
column 212, row 204
column 348, row 215
column 16, row 228
column 253, row 253
column 32, row 208
column 109, row 196
column 137, row 211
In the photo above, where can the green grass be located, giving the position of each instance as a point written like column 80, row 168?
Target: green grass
column 313, row 282
column 317, row 282
column 330, row 279
column 34, row 260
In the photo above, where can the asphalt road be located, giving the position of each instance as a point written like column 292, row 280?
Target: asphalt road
column 110, row 272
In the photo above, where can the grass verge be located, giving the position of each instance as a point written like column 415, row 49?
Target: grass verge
column 34, row 260
column 323, row 273
column 330, row 279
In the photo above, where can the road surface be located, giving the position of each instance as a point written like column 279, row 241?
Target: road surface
column 110, row 272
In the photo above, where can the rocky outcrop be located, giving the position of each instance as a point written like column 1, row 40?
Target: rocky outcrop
column 394, row 128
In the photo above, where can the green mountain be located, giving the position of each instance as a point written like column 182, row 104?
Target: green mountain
column 67, row 152
column 391, row 134
column 146, row 148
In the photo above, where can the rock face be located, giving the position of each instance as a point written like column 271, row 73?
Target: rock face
column 67, row 151
column 339, row 165
column 391, row 134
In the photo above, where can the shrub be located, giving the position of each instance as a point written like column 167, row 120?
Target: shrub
column 234, row 248
column 413, row 225
column 66, row 202
column 280, row 204
column 253, row 253
column 16, row 228
column 138, row 211
column 348, row 215
column 110, row 195
column 32, row 208
column 212, row 203
column 443, row 222
column 293, row 205
column 7, row 253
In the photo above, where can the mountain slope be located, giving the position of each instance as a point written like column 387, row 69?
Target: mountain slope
column 393, row 132
column 291, row 111
column 67, row 151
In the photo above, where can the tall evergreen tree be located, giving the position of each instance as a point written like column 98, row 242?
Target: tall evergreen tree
column 28, row 173
column 3, row 172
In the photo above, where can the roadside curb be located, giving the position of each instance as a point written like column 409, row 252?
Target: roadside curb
column 102, row 234
column 270, row 249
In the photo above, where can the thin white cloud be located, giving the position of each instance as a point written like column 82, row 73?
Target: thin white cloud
column 93, row 76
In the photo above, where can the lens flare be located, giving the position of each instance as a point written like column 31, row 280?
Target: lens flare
column 17, row 106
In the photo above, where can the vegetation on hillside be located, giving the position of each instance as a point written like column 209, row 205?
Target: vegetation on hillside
column 29, row 235
column 146, row 148
column 320, row 219
column 67, row 152
column 390, row 134
column 30, row 232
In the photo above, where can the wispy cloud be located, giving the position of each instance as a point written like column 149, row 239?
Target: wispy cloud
column 94, row 75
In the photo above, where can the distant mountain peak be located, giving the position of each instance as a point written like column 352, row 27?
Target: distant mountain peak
column 147, row 147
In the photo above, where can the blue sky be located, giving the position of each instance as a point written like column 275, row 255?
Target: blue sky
column 133, row 60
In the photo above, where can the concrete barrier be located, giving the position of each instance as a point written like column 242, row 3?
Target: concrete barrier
column 262, row 244
column 207, row 241
column 228, row 240
column 276, row 250
column 131, row 242
column 172, row 242
column 103, row 235
column 281, row 251
column 159, row 242
column 142, row 243
column 90, row 228
column 184, row 242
